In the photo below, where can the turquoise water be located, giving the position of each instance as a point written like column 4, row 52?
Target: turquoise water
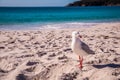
column 24, row 17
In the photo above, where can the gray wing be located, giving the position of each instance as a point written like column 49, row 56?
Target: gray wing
column 86, row 48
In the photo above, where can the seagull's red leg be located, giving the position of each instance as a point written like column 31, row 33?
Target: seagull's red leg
column 81, row 62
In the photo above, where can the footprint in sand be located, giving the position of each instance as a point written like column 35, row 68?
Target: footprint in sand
column 31, row 63
column 42, row 53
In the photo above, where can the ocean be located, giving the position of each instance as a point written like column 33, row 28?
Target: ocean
column 56, row 17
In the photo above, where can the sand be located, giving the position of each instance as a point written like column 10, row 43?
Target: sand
column 46, row 54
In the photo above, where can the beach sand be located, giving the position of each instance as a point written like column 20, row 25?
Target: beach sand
column 46, row 54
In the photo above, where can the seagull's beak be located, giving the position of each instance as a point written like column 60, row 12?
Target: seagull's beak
column 80, row 36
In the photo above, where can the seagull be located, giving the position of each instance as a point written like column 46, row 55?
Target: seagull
column 79, row 47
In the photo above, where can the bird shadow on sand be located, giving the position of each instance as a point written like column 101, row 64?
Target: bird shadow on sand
column 112, row 65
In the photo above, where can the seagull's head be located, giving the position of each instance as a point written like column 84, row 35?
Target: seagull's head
column 76, row 34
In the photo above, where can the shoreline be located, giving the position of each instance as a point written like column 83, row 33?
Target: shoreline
column 53, row 26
